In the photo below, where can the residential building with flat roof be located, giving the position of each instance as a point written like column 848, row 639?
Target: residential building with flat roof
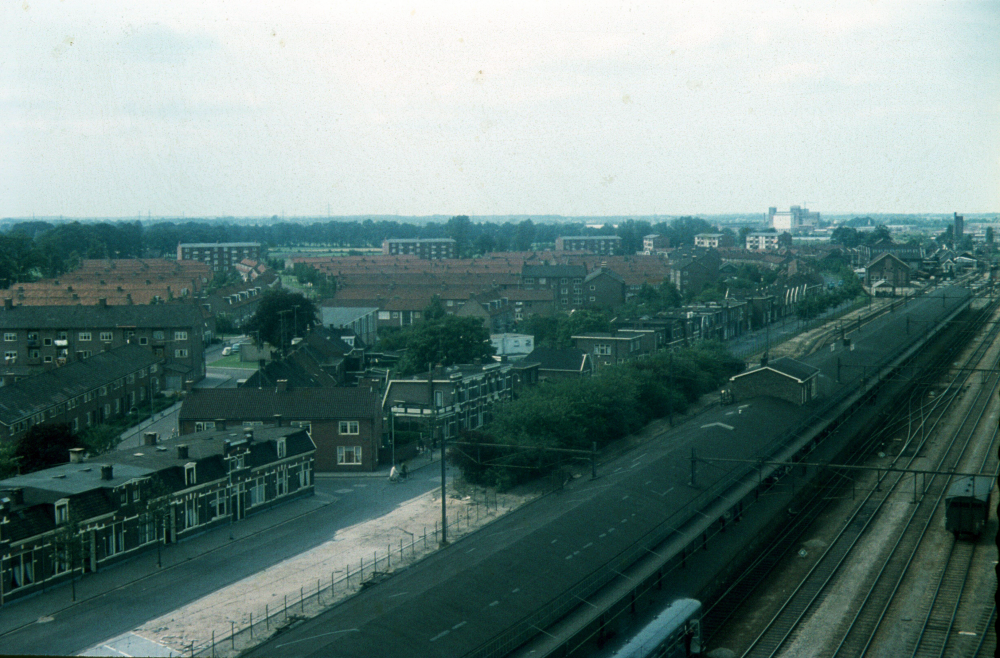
column 219, row 255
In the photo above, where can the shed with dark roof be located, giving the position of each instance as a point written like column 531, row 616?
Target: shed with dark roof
column 783, row 378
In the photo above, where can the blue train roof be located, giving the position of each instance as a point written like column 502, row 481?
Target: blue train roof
column 663, row 624
column 978, row 487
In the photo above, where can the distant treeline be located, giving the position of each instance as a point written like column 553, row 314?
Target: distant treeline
column 37, row 248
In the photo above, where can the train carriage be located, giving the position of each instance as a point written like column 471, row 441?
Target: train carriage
column 967, row 505
column 674, row 633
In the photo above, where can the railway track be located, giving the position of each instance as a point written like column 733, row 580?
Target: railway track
column 855, row 640
column 752, row 575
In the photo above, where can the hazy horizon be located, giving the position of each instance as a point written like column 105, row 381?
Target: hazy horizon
column 208, row 109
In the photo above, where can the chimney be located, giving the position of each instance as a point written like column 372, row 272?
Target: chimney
column 8, row 303
column 182, row 451
column 248, row 435
column 103, row 302
column 75, row 455
column 763, row 360
column 282, row 385
column 150, row 438
column 107, row 472
column 220, row 423
column 277, row 420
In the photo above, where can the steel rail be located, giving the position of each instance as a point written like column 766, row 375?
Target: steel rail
column 815, row 582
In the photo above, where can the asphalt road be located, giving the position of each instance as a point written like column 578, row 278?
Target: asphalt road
column 50, row 624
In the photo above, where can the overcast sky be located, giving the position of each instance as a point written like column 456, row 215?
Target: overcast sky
column 235, row 108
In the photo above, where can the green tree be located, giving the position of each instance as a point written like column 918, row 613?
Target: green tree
column 100, row 439
column 524, row 235
column 447, row 341
column 68, row 550
column 281, row 316
column 458, row 229
column 45, row 445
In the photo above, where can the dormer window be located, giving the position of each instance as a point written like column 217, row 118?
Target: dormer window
column 190, row 474
column 282, row 451
column 62, row 511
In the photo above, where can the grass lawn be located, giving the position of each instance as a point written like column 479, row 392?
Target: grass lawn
column 233, row 361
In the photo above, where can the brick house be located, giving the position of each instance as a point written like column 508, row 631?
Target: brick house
column 607, row 349
column 565, row 282
column 207, row 479
column 888, row 269
column 602, row 245
column 602, row 288
column 452, row 399
column 344, row 423
column 219, row 255
column 784, row 378
column 83, row 393
column 43, row 337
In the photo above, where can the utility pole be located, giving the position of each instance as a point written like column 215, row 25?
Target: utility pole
column 444, row 499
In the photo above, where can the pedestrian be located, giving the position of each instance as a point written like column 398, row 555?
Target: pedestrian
column 403, row 471
column 393, row 475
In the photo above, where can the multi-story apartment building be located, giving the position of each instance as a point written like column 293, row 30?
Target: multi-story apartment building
column 761, row 241
column 602, row 245
column 44, row 337
column 427, row 249
column 654, row 242
column 134, row 499
column 344, row 423
column 81, row 394
column 219, row 255
column 713, row 240
column 565, row 282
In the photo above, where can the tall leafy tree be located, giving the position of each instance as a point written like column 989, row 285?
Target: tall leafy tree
column 282, row 315
column 45, row 445
column 447, row 341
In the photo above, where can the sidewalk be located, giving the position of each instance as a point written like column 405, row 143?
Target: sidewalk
column 47, row 604
column 301, row 585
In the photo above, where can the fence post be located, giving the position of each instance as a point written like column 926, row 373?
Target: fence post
column 286, row 606
column 317, row 592
column 333, row 575
column 213, row 644
column 232, row 634
column 302, row 599
column 251, row 625
column 348, row 576
column 267, row 617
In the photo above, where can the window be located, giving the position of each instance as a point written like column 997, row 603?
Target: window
column 593, row 299
column 107, row 410
column 592, row 288
column 602, row 349
column 63, row 335
column 34, row 354
column 282, row 481
column 180, row 335
column 143, row 340
column 438, row 398
column 104, row 390
column 22, row 570
column 282, row 451
column 84, row 354
column 207, row 425
column 257, row 492
column 47, row 359
column 190, row 474
column 106, row 336
column 84, row 336
column 180, row 354
column 152, row 368
column 158, row 334
column 349, row 455
column 10, row 337
column 131, row 378
column 62, row 511
column 383, row 315
column 47, row 342
column 10, row 355
column 349, row 427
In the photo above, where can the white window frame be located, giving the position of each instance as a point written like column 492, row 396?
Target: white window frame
column 83, row 336
column 349, row 427
column 353, row 451
column 107, row 336
column 10, row 337
column 180, row 335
